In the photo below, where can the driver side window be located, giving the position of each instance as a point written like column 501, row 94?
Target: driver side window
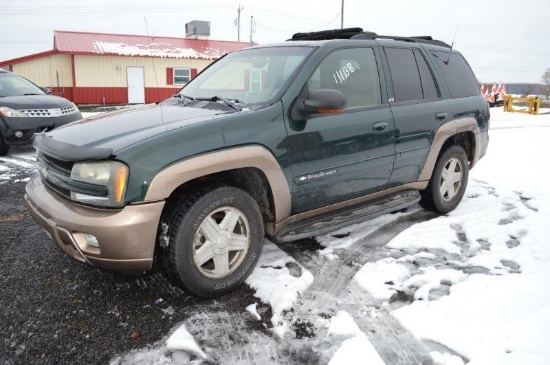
column 352, row 71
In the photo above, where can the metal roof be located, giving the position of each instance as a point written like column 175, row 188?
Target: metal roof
column 139, row 45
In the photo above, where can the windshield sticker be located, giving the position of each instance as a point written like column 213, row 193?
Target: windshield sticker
column 342, row 74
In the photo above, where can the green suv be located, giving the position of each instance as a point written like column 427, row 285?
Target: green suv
column 287, row 141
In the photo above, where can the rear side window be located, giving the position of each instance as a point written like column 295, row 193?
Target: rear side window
column 457, row 72
column 404, row 74
column 429, row 86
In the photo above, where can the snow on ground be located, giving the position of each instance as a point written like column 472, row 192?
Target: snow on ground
column 356, row 347
column 484, row 296
column 278, row 280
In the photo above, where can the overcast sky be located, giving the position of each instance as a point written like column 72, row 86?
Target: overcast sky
column 503, row 40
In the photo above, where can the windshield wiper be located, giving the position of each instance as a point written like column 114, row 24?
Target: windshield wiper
column 233, row 104
column 32, row 94
column 188, row 99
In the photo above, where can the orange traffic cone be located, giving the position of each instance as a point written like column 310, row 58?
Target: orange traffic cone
column 503, row 91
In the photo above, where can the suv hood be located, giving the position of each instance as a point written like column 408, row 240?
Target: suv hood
column 34, row 102
column 120, row 129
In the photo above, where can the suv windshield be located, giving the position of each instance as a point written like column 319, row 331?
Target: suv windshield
column 14, row 85
column 252, row 76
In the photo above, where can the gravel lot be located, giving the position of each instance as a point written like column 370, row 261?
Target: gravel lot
column 56, row 310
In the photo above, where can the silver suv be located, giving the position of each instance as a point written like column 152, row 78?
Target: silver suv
column 26, row 109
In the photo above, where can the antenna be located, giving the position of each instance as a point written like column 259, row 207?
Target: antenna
column 153, row 64
column 451, row 49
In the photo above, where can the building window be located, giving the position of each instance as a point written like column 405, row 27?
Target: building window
column 182, row 76
column 255, row 79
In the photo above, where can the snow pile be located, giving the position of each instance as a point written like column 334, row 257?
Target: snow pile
column 356, row 349
column 180, row 348
column 252, row 309
column 182, row 340
column 278, row 280
column 379, row 278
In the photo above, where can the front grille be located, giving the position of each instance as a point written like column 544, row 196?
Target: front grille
column 53, row 171
column 63, row 167
column 56, row 174
column 48, row 113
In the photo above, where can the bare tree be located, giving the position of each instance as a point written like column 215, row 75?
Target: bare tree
column 546, row 81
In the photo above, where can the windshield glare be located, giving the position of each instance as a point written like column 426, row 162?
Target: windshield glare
column 13, row 85
column 250, row 76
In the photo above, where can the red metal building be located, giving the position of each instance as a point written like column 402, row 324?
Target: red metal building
column 98, row 68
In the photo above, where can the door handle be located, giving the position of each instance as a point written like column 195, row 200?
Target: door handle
column 380, row 127
column 441, row 116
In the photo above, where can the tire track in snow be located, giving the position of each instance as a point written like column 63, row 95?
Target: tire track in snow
column 335, row 290
column 30, row 156
column 17, row 161
column 16, row 169
column 338, row 273
column 228, row 338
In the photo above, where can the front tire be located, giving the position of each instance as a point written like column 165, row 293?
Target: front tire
column 214, row 240
column 4, row 147
column 448, row 183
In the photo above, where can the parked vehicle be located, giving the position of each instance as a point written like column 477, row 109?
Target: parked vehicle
column 26, row 109
column 286, row 141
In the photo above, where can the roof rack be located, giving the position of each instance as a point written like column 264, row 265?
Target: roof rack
column 358, row 33
column 416, row 39
column 345, row 33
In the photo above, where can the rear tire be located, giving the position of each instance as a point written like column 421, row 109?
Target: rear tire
column 448, row 183
column 213, row 241
column 4, row 147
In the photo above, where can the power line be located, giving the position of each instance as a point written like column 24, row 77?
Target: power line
column 25, row 42
column 109, row 10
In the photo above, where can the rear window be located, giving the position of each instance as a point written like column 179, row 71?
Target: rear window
column 457, row 72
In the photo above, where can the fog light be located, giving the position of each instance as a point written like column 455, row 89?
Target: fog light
column 19, row 134
column 91, row 240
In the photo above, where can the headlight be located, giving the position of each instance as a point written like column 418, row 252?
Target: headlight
column 111, row 174
column 11, row 113
column 75, row 107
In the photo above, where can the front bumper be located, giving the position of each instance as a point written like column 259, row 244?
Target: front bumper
column 30, row 126
column 126, row 237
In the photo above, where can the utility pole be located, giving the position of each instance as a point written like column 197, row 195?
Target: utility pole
column 238, row 23
column 252, row 28
column 342, row 16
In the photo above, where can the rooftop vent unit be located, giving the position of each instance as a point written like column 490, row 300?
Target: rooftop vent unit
column 197, row 29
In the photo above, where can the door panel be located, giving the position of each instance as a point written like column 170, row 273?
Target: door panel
column 415, row 127
column 337, row 157
column 136, row 85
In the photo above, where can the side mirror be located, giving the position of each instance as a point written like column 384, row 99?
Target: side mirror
column 324, row 101
column 47, row 90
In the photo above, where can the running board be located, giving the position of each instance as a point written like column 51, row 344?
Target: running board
column 332, row 221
